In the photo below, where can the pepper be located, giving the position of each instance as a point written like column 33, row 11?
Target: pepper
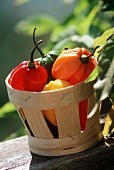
column 29, row 75
column 75, row 65
column 46, row 60
column 53, row 85
column 14, row 70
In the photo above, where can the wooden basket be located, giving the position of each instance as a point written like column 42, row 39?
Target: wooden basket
column 67, row 138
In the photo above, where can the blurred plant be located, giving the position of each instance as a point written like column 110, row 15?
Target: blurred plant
column 107, row 5
column 20, row 2
column 10, row 123
column 105, row 70
column 78, row 29
column 104, row 86
column 43, row 22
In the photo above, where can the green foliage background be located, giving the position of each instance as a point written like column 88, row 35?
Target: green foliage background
column 76, row 23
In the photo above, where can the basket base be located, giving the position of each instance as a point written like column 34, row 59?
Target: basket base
column 66, row 146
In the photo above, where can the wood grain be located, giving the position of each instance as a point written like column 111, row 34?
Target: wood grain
column 15, row 155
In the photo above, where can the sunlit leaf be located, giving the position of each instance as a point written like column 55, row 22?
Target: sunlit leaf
column 79, row 41
column 20, row 2
column 92, row 76
column 84, row 15
column 109, row 123
column 67, row 1
column 61, row 33
column 112, row 94
column 6, row 108
column 106, row 72
column 104, row 83
column 43, row 23
column 81, row 7
column 102, row 40
column 87, row 21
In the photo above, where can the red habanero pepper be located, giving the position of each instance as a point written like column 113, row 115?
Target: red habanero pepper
column 75, row 65
column 17, row 79
column 83, row 112
column 29, row 76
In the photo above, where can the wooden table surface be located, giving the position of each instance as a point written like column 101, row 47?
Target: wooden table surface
column 15, row 155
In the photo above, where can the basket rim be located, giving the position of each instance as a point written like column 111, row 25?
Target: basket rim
column 50, row 99
column 51, row 91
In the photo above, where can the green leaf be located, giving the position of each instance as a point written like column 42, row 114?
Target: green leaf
column 18, row 133
column 61, row 33
column 87, row 21
column 80, row 41
column 108, row 5
column 106, row 72
column 107, row 82
column 20, row 2
column 92, row 76
column 54, row 53
column 43, row 23
column 6, row 109
column 104, row 84
column 102, row 40
column 103, row 87
column 112, row 94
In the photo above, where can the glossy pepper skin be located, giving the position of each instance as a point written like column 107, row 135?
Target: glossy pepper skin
column 75, row 65
column 29, row 76
column 46, row 60
column 17, row 83
column 53, row 85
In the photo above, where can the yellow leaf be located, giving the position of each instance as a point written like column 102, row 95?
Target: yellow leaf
column 109, row 123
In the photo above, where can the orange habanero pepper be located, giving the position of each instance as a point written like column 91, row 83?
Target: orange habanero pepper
column 75, row 65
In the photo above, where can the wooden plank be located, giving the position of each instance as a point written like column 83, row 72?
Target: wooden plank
column 37, row 123
column 15, row 155
column 96, row 117
column 68, row 122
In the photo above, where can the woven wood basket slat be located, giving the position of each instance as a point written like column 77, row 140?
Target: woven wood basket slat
column 23, row 119
column 67, row 137
column 91, row 103
column 36, row 121
column 50, row 99
column 69, row 141
column 68, row 145
column 68, row 120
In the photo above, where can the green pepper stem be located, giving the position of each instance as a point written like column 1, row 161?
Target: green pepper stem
column 31, row 59
column 65, row 48
column 85, row 58
column 31, row 62
column 95, row 50
column 42, row 54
